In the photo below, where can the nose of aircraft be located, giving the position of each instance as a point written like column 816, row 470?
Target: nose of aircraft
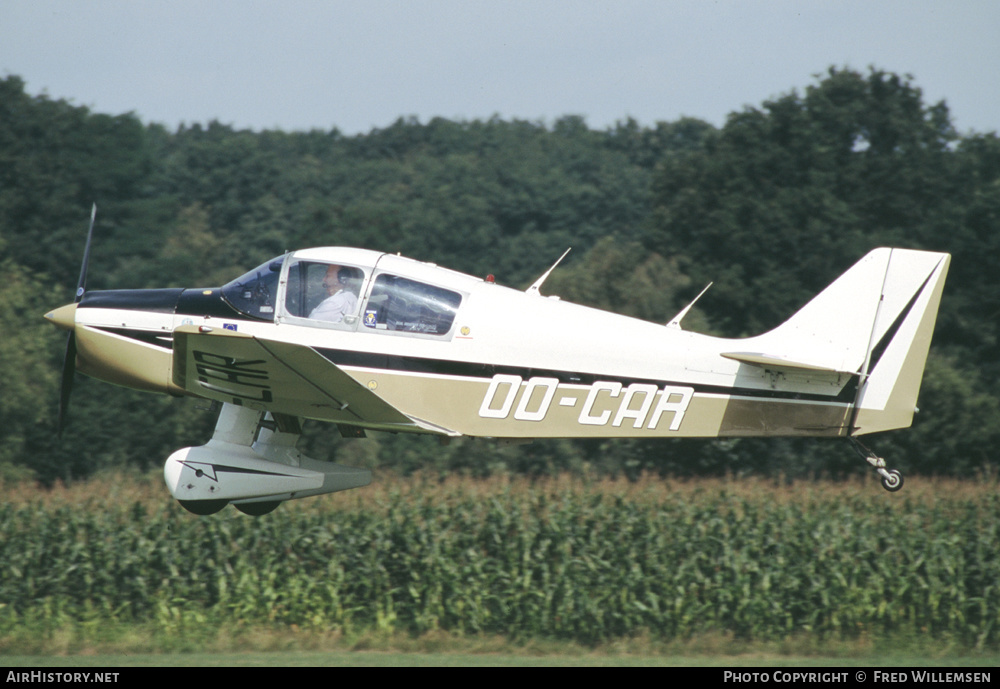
column 63, row 318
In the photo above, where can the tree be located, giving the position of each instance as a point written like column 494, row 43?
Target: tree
column 28, row 367
column 787, row 196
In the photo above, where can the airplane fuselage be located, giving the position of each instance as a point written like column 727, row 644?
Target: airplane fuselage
column 492, row 361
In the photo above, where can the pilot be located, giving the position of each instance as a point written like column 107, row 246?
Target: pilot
column 342, row 300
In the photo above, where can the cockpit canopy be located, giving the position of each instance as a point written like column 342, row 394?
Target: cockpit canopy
column 344, row 289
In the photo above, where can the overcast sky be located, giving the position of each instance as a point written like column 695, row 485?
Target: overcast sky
column 357, row 65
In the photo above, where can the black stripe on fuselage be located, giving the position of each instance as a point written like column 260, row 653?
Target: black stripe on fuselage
column 445, row 367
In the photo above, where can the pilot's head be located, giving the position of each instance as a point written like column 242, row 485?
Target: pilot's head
column 331, row 281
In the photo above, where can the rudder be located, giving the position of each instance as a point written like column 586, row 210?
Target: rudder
column 901, row 337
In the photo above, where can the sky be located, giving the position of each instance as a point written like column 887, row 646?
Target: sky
column 357, row 65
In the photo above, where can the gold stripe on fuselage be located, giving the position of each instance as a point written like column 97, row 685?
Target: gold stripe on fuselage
column 508, row 406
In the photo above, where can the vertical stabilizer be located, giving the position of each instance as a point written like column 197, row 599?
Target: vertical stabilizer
column 901, row 337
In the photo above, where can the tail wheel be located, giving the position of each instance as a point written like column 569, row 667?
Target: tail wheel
column 203, row 508
column 892, row 480
column 258, row 509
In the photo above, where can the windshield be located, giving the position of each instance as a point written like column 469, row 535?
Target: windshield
column 254, row 292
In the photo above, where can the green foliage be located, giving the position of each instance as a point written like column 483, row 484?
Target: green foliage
column 55, row 161
column 28, row 365
column 624, row 278
column 480, row 196
column 550, row 560
column 786, row 197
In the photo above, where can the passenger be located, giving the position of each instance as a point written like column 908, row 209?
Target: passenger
column 340, row 285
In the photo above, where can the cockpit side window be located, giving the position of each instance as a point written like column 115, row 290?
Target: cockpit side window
column 253, row 294
column 404, row 305
column 323, row 291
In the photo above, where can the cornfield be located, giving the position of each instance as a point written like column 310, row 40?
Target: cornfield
column 567, row 559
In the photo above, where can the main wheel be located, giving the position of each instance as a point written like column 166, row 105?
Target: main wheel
column 203, row 508
column 892, row 482
column 257, row 509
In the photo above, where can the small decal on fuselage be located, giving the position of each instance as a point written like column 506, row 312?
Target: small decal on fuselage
column 229, row 326
column 639, row 404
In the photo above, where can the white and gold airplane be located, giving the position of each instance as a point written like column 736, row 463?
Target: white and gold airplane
column 372, row 340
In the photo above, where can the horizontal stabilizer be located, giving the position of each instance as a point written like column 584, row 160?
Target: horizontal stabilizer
column 776, row 361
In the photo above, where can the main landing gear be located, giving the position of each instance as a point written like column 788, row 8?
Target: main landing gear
column 251, row 463
column 892, row 480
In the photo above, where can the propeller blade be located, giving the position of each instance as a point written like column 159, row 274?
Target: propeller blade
column 69, row 360
column 81, row 285
column 69, row 369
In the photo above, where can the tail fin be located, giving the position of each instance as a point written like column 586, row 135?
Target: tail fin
column 875, row 321
column 904, row 325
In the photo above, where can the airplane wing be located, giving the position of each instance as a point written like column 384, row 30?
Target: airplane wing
column 237, row 368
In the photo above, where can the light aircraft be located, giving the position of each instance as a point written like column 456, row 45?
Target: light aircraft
column 406, row 346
